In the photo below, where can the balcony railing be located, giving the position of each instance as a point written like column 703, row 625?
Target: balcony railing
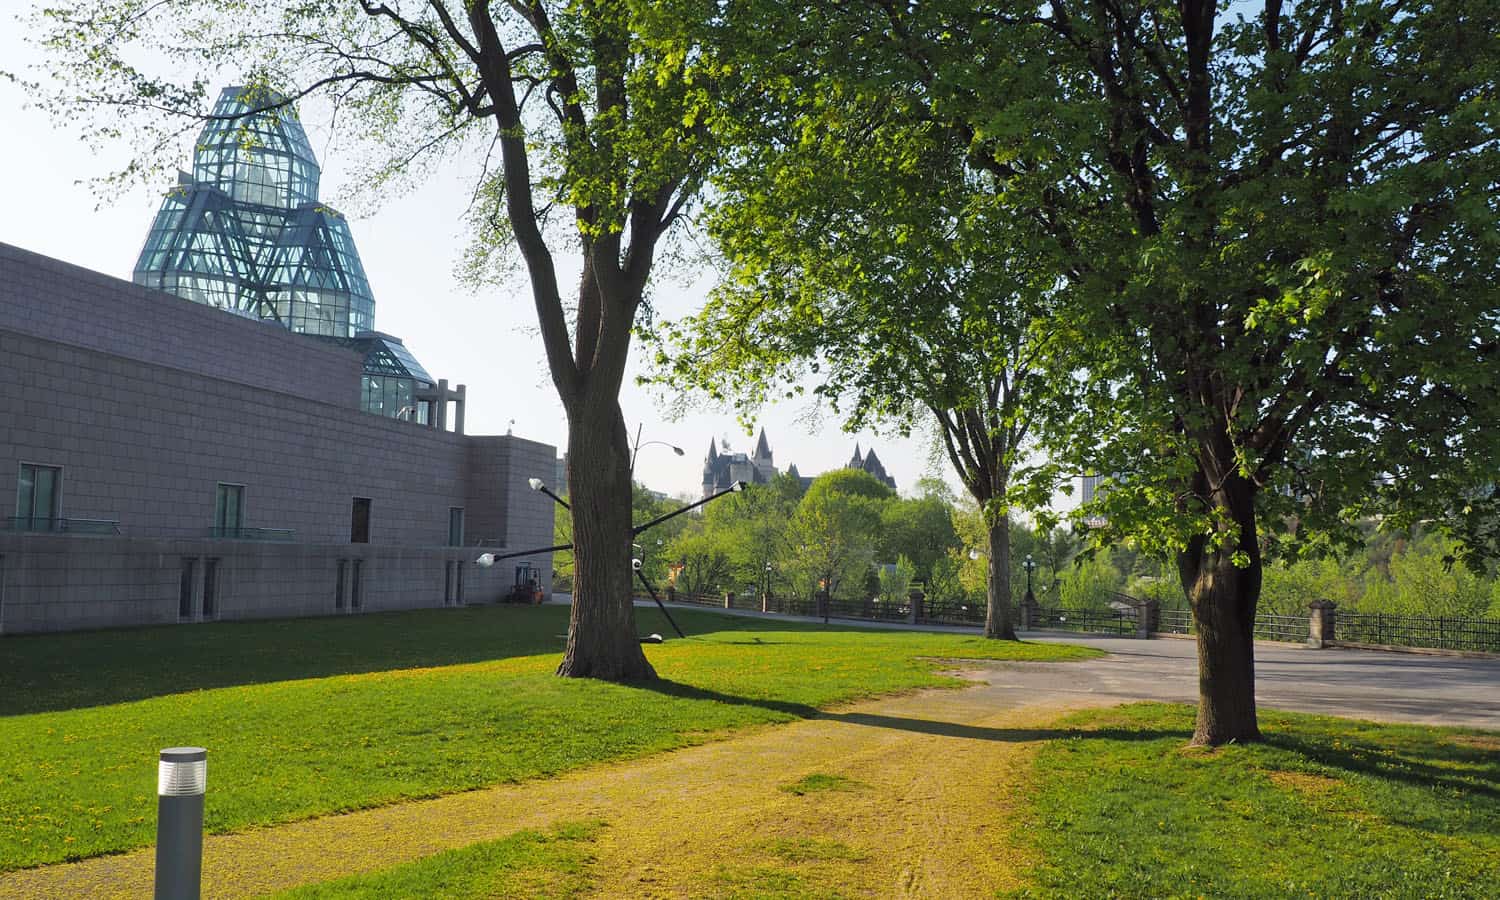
column 40, row 524
column 252, row 534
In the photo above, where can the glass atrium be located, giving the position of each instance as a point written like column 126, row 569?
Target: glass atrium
column 245, row 233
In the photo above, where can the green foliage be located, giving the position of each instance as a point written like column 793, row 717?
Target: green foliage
column 1088, row 583
column 896, row 583
column 310, row 717
column 832, row 536
column 1122, row 810
column 920, row 529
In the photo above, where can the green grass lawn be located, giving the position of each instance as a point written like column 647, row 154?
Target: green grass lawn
column 308, row 717
column 1323, row 808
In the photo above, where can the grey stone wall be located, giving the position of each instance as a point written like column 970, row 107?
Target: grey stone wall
column 51, row 582
column 148, row 402
column 48, row 298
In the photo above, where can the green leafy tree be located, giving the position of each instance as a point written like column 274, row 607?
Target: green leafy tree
column 583, row 135
column 868, row 255
column 832, row 535
column 920, row 529
column 1274, row 245
column 896, row 581
column 701, row 557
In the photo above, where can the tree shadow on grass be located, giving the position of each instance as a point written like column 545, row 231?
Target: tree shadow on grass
column 917, row 726
column 80, row 669
column 1375, row 759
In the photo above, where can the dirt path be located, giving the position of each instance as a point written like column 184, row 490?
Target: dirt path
column 933, row 778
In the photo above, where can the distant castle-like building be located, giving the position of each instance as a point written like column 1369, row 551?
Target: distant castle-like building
column 721, row 468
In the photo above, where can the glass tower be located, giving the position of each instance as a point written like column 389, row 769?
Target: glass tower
column 245, row 232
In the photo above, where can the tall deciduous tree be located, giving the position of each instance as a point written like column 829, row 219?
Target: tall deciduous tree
column 867, row 255
column 1274, row 236
column 597, row 144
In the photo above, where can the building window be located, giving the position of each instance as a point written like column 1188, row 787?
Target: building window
column 359, row 526
column 356, row 586
column 210, row 588
column 37, row 493
column 455, row 526
column 229, row 510
column 185, row 588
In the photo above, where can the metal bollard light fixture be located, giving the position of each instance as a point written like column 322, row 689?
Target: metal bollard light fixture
column 181, row 781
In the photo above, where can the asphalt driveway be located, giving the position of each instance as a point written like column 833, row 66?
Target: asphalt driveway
column 1364, row 684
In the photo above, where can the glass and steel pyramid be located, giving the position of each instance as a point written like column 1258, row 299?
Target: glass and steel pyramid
column 245, row 231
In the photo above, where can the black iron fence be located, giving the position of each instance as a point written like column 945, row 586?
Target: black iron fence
column 1437, row 632
column 1294, row 629
column 1110, row 621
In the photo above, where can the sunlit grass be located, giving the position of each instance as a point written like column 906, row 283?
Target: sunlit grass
column 318, row 716
column 1323, row 808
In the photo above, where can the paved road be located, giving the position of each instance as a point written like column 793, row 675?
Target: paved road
column 1365, row 684
column 1385, row 686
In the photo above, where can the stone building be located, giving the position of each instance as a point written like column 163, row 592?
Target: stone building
column 723, row 468
column 869, row 462
column 246, row 445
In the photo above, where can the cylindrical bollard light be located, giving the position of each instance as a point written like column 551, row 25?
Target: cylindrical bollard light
column 181, row 780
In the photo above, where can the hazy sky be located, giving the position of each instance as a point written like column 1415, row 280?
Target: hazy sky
column 409, row 247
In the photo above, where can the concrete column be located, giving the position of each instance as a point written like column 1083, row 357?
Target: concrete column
column 671, row 594
column 1320, row 623
column 440, row 413
column 914, row 612
column 1030, row 611
column 1149, row 619
column 459, row 396
column 765, row 601
column 729, row 599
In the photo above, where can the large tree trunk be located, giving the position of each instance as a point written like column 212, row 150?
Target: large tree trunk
column 997, row 621
column 602, row 639
column 1223, row 597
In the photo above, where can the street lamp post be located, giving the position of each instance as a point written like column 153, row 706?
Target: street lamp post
column 1029, row 608
column 635, row 448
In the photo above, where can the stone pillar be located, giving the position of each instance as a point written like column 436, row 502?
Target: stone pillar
column 1148, row 619
column 765, row 601
column 729, row 599
column 459, row 396
column 440, row 413
column 1030, row 611
column 820, row 604
column 1320, row 623
column 671, row 594
column 914, row 610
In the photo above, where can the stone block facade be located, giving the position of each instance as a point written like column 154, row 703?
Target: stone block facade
column 147, row 403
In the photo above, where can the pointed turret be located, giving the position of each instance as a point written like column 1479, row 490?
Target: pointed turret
column 762, row 448
column 858, row 461
column 713, row 450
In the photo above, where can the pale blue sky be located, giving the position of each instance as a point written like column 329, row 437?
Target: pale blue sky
column 409, row 247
